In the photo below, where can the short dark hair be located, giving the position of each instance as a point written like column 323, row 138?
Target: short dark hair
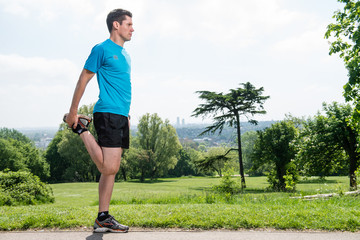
column 116, row 15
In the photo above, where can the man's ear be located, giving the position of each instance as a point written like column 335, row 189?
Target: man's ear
column 116, row 25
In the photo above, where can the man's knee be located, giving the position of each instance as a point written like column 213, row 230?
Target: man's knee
column 111, row 162
column 109, row 170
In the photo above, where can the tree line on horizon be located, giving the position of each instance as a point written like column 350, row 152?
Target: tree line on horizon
column 317, row 146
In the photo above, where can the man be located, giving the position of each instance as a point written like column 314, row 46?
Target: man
column 110, row 62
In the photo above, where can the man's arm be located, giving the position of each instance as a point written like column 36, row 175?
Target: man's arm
column 84, row 79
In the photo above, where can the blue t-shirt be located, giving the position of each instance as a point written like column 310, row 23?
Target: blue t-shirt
column 111, row 63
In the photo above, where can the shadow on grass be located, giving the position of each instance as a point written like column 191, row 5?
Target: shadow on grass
column 244, row 191
column 200, row 188
column 148, row 181
column 258, row 190
column 317, row 181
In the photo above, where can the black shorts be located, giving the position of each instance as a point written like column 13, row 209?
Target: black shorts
column 112, row 130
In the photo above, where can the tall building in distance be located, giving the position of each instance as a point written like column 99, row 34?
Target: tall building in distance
column 178, row 123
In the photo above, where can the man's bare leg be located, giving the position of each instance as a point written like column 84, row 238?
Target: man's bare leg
column 111, row 165
column 93, row 149
column 107, row 161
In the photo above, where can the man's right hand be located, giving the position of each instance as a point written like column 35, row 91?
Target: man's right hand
column 72, row 120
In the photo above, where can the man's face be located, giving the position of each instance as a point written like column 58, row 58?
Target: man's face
column 126, row 29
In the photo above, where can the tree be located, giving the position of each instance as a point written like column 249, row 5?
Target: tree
column 248, row 140
column 7, row 134
column 18, row 152
column 274, row 146
column 213, row 160
column 332, row 135
column 80, row 167
column 319, row 153
column 33, row 159
column 160, row 142
column 226, row 109
column 346, row 32
column 347, row 134
column 186, row 164
column 124, row 166
column 138, row 161
column 57, row 163
column 10, row 158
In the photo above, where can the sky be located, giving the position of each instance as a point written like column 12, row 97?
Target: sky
column 178, row 47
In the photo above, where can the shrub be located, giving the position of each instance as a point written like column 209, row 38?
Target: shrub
column 289, row 180
column 227, row 185
column 23, row 188
column 273, row 180
column 291, row 177
column 357, row 176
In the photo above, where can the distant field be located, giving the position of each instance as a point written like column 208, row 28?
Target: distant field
column 188, row 203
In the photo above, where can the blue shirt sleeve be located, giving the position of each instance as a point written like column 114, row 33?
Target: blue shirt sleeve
column 95, row 59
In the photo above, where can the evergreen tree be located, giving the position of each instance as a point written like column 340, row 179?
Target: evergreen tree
column 226, row 109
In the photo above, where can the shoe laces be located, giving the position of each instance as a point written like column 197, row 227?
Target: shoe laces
column 113, row 219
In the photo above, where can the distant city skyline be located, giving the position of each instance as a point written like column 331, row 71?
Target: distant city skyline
column 178, row 121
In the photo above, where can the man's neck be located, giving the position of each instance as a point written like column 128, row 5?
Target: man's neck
column 118, row 40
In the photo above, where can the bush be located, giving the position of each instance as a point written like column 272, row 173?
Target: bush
column 291, row 177
column 357, row 176
column 288, row 181
column 23, row 188
column 227, row 185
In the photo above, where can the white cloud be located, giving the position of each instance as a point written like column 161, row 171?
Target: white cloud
column 16, row 8
column 302, row 46
column 237, row 23
column 35, row 88
column 46, row 10
column 241, row 21
column 21, row 70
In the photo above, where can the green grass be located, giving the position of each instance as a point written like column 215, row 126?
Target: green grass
column 188, row 203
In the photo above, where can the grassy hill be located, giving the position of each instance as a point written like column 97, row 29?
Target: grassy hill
column 188, row 203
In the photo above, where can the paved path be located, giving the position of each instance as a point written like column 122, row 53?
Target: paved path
column 179, row 235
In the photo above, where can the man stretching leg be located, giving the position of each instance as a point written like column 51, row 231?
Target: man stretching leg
column 111, row 63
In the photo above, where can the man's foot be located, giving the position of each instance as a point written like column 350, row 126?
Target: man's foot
column 109, row 225
column 83, row 123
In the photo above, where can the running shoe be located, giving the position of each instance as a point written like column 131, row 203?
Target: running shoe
column 109, row 225
column 83, row 123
